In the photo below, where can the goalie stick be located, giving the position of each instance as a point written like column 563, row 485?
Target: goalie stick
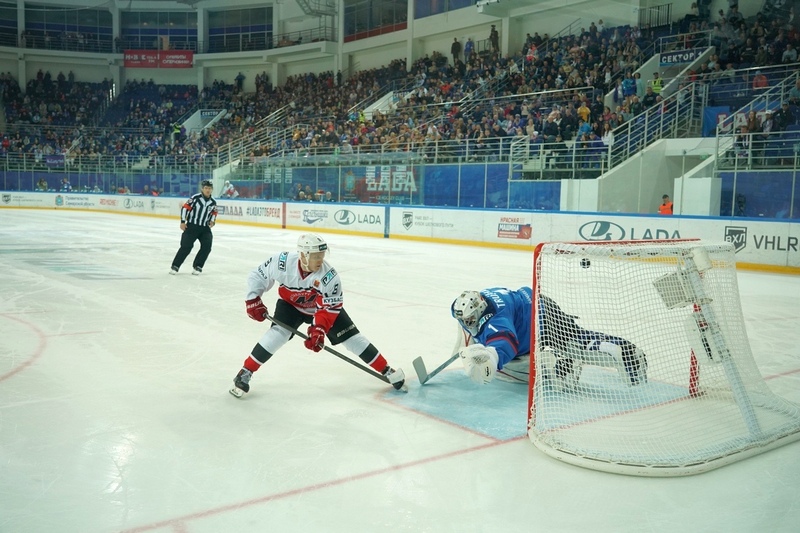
column 331, row 350
column 419, row 365
column 422, row 372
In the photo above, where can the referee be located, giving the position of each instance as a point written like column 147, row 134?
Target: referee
column 198, row 216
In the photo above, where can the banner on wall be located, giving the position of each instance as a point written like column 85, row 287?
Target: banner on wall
column 54, row 160
column 713, row 116
column 158, row 58
column 676, row 57
column 755, row 241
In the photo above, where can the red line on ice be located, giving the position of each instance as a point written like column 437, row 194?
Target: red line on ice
column 36, row 353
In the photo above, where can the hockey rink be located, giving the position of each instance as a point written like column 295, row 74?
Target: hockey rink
column 115, row 414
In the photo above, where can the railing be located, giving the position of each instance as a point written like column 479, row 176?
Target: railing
column 544, row 100
column 464, row 151
column 566, row 30
column 217, row 106
column 570, row 159
column 754, row 151
column 758, row 168
column 242, row 147
column 678, row 41
column 69, row 42
column 483, row 46
column 468, row 103
column 299, row 37
column 274, row 119
column 117, row 164
column 682, row 41
column 655, row 16
column 351, row 70
column 761, row 167
column 770, row 97
column 73, row 42
column 496, row 149
column 585, row 159
column 401, row 85
column 318, row 7
column 678, row 115
column 358, row 33
column 44, row 130
column 8, row 38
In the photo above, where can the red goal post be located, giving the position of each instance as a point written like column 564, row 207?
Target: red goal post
column 640, row 362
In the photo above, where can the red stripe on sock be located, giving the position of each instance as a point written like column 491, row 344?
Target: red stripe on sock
column 251, row 364
column 379, row 364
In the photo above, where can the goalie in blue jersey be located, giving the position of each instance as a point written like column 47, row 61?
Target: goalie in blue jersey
column 499, row 322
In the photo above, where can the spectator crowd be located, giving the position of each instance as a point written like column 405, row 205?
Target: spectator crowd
column 551, row 90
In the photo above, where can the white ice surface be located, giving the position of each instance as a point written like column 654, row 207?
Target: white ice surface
column 115, row 415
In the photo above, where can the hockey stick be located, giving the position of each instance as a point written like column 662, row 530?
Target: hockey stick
column 419, row 365
column 330, row 350
column 422, row 373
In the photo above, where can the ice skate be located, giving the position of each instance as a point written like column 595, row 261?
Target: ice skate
column 567, row 373
column 636, row 367
column 397, row 378
column 173, row 270
column 241, row 383
column 197, row 271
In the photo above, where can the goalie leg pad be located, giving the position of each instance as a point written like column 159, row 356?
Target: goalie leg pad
column 617, row 353
column 480, row 362
column 567, row 372
column 635, row 362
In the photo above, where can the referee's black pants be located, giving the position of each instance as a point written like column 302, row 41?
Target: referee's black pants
column 193, row 233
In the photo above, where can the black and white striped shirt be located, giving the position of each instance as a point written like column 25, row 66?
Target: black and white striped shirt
column 199, row 210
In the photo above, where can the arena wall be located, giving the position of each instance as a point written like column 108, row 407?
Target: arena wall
column 760, row 245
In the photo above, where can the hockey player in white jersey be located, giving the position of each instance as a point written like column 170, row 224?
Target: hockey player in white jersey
column 310, row 292
column 229, row 191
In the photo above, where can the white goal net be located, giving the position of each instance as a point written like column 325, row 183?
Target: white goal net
column 641, row 363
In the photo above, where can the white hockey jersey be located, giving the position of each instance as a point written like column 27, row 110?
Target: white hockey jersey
column 318, row 294
column 229, row 191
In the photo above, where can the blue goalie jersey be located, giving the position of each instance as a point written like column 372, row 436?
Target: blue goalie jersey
column 506, row 323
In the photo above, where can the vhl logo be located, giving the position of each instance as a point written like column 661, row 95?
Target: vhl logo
column 737, row 235
column 6, row 198
column 408, row 219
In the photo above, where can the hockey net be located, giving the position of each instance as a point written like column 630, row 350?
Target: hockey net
column 641, row 364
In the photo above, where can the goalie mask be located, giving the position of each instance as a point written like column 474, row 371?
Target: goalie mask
column 312, row 250
column 468, row 309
